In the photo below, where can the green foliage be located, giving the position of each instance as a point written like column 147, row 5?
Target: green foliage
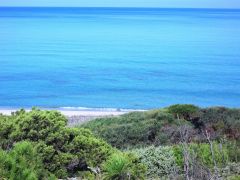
column 161, row 127
column 5, row 165
column 203, row 154
column 68, row 152
column 33, row 126
column 178, row 154
column 222, row 121
column 6, row 127
column 160, row 161
column 136, row 129
column 86, row 175
column 121, row 166
column 184, row 111
column 64, row 151
column 233, row 148
column 231, row 171
column 234, row 177
column 22, row 162
column 117, row 167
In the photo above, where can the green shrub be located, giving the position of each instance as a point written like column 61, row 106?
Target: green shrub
column 136, row 129
column 22, row 162
column 161, row 127
column 184, row 111
column 233, row 148
column 117, row 167
column 224, row 122
column 87, row 175
column 230, row 171
column 6, row 128
column 178, row 154
column 64, row 151
column 234, row 177
column 202, row 153
column 121, row 166
column 160, row 161
column 5, row 165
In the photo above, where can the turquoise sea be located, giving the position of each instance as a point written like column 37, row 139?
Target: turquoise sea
column 119, row 57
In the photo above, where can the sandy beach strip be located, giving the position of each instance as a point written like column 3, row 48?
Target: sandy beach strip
column 79, row 116
column 74, row 112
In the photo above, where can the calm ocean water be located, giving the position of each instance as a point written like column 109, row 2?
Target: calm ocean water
column 121, row 58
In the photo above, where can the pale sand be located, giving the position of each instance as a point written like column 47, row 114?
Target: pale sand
column 78, row 116
column 74, row 112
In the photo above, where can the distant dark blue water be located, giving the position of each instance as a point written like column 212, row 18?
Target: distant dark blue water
column 121, row 58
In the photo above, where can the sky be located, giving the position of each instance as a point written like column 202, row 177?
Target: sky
column 126, row 3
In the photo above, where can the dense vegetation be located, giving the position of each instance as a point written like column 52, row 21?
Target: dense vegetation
column 161, row 127
column 177, row 142
column 181, row 140
column 22, row 162
column 52, row 148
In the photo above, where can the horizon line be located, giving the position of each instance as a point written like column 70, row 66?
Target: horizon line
column 217, row 8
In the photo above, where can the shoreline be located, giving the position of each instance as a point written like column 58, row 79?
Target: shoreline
column 75, row 112
column 79, row 115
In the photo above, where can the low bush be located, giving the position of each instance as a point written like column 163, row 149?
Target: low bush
column 160, row 161
column 223, row 122
column 184, row 111
column 230, row 171
column 22, row 162
column 64, row 151
column 161, row 127
column 136, row 129
column 203, row 155
column 233, row 148
column 71, row 152
column 121, row 166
